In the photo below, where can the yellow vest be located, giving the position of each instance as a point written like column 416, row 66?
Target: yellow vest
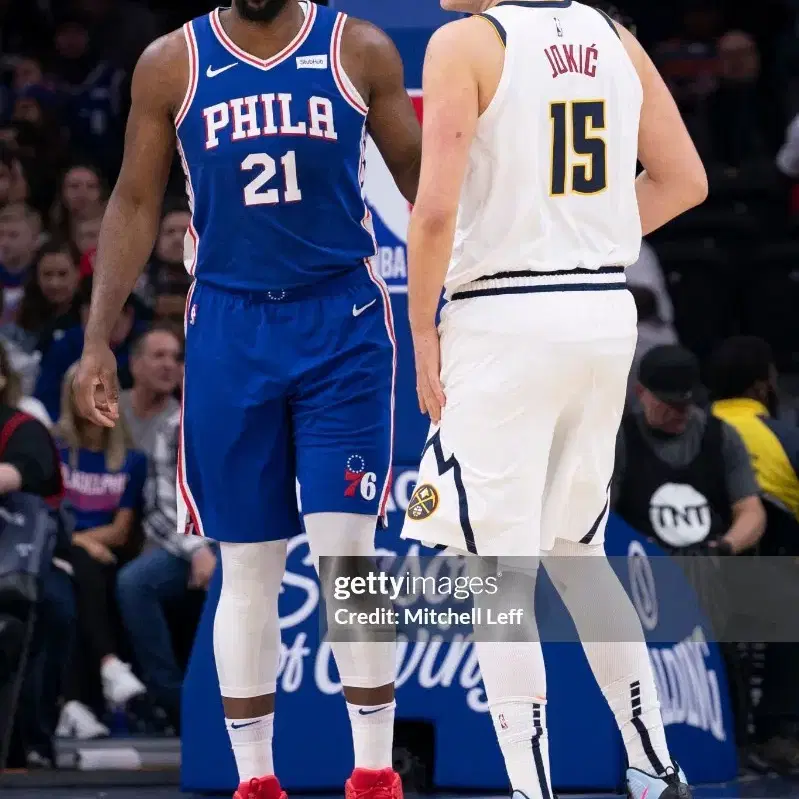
column 768, row 447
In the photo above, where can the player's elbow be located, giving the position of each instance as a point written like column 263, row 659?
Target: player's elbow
column 433, row 219
column 696, row 185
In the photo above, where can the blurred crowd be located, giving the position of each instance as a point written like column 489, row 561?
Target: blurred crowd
column 708, row 456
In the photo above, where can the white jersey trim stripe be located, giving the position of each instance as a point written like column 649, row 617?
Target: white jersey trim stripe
column 183, row 484
column 342, row 80
column 194, row 65
column 191, row 233
column 278, row 58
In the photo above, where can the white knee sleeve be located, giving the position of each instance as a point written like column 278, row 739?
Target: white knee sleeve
column 247, row 625
column 361, row 664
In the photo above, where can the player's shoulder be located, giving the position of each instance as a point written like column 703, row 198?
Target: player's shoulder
column 367, row 39
column 168, row 50
column 162, row 72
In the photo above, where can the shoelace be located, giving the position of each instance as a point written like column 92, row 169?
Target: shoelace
column 380, row 790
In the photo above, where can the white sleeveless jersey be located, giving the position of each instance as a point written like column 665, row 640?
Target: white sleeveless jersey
column 551, row 178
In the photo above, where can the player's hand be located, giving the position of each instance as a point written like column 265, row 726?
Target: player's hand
column 203, row 566
column 96, row 387
column 427, row 350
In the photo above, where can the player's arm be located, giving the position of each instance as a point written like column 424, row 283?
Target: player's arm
column 369, row 53
column 674, row 179
column 130, row 223
column 455, row 59
column 452, row 100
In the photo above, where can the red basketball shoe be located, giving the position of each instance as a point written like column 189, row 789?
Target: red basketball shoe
column 260, row 788
column 369, row 784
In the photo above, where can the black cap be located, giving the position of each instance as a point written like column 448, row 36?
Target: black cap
column 671, row 373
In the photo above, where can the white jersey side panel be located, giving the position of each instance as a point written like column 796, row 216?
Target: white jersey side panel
column 551, row 178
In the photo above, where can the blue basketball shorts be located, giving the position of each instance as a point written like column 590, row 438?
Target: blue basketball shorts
column 284, row 389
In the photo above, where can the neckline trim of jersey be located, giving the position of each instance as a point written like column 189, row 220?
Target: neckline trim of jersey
column 278, row 58
column 536, row 3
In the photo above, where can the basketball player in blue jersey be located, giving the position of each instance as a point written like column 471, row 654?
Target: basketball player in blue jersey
column 290, row 356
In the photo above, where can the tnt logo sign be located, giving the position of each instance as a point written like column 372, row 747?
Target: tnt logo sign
column 390, row 213
column 359, row 481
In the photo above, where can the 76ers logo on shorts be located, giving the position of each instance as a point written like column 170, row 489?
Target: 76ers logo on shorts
column 359, row 481
column 423, row 503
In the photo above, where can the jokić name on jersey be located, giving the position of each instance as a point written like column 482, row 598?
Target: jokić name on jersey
column 270, row 114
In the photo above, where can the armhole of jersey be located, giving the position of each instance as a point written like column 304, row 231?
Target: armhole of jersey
column 194, row 66
column 499, row 94
column 345, row 86
column 609, row 21
column 498, row 28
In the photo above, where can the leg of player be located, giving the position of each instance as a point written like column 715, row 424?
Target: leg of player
column 366, row 667
column 514, row 675
column 247, row 652
column 613, row 641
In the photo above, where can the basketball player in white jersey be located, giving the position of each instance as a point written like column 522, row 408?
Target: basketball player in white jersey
column 528, row 210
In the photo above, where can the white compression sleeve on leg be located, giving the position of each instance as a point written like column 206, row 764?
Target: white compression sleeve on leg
column 613, row 641
column 361, row 664
column 247, row 625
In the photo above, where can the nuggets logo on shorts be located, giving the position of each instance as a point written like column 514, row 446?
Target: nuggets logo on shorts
column 423, row 503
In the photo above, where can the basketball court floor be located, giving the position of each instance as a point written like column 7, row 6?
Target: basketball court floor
column 745, row 788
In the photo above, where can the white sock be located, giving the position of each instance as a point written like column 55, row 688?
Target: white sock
column 638, row 716
column 372, row 734
column 522, row 734
column 251, row 740
column 613, row 641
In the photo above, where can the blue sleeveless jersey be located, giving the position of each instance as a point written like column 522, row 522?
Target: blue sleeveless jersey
column 274, row 155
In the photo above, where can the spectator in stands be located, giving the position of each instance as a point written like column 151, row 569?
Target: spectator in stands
column 737, row 112
column 104, row 479
column 683, row 477
column 86, row 235
column 788, row 156
column 8, row 163
column 743, row 381
column 18, row 244
column 163, row 287
column 81, row 196
column 689, row 63
column 50, row 301
column 652, row 331
column 121, row 28
column 172, row 565
column 29, row 463
column 155, row 366
column 94, row 88
column 64, row 351
column 647, row 273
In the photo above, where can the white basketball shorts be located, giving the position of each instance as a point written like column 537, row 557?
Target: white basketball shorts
column 535, row 387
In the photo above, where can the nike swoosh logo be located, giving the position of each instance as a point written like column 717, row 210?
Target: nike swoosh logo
column 212, row 73
column 356, row 311
column 371, row 712
column 235, row 726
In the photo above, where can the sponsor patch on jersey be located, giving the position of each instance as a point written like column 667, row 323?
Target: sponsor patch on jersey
column 423, row 504
column 312, row 62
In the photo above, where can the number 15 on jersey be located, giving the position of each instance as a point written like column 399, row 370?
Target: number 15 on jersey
column 584, row 170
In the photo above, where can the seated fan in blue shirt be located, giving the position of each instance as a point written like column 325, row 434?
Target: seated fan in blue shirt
column 103, row 480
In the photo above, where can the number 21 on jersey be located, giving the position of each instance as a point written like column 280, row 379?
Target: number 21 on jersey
column 585, row 169
column 256, row 191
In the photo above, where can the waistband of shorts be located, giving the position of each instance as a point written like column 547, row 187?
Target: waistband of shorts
column 606, row 278
column 338, row 284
